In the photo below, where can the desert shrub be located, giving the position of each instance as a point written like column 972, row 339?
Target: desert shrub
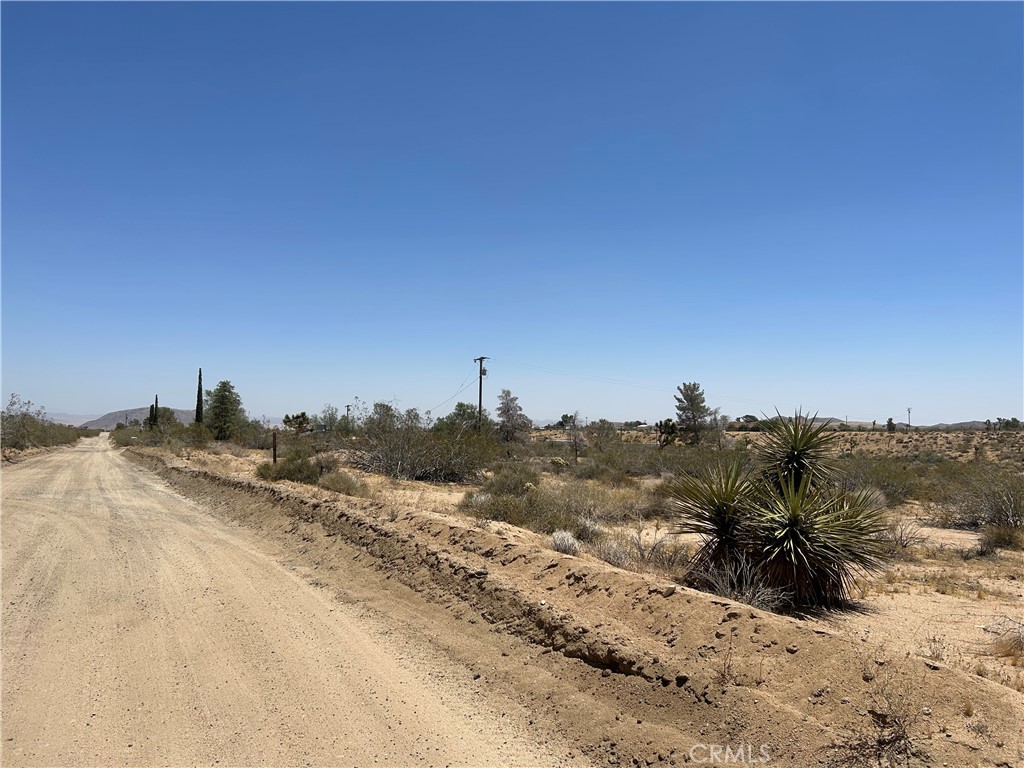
column 24, row 425
column 901, row 534
column 169, row 434
column 789, row 516
column 521, row 511
column 565, row 542
column 893, row 477
column 742, row 580
column 994, row 497
column 558, row 464
column 614, row 550
column 512, row 479
column 401, row 444
column 346, row 483
column 891, row 735
column 299, row 464
column 573, row 506
column 994, row 537
column 594, row 469
column 660, row 551
column 1009, row 641
column 196, row 435
column 123, row 436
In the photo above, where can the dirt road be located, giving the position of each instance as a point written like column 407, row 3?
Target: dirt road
column 140, row 630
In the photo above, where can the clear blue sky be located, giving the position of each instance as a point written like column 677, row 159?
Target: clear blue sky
column 801, row 204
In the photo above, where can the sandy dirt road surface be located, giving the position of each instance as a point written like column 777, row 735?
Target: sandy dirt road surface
column 140, row 630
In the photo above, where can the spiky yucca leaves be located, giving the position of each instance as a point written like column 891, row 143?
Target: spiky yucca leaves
column 812, row 539
column 714, row 504
column 787, row 518
column 793, row 449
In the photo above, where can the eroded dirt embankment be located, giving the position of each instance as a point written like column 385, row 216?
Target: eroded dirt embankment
column 681, row 668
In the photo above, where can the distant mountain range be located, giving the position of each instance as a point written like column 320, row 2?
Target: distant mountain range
column 74, row 419
column 111, row 420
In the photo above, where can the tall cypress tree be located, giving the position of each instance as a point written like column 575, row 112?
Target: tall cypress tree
column 156, row 410
column 199, row 399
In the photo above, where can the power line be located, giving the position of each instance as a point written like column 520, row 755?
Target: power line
column 466, row 384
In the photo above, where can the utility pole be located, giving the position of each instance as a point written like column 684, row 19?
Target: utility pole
column 480, row 400
column 908, row 419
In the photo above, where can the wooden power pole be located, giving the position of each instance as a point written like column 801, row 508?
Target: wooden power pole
column 480, row 399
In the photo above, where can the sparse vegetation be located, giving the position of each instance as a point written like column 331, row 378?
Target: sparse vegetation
column 574, row 506
column 401, row 444
column 890, row 733
column 1009, row 641
column 300, row 464
column 24, row 425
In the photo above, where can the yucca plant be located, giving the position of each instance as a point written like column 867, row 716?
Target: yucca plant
column 714, row 504
column 812, row 540
column 793, row 449
column 788, row 518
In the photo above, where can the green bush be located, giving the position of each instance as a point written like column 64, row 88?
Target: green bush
column 299, row 464
column 512, row 479
column 596, row 469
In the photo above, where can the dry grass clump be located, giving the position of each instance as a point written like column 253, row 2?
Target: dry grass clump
column 515, row 494
column 565, row 542
column 346, row 483
column 890, row 734
column 615, row 550
column 744, row 581
column 902, row 534
column 1009, row 642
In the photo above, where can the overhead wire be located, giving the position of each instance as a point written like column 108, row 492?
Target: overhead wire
column 464, row 386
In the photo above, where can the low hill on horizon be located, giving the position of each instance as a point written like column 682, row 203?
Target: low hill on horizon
column 111, row 420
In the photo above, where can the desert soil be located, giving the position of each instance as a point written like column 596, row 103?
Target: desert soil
column 188, row 614
column 139, row 630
